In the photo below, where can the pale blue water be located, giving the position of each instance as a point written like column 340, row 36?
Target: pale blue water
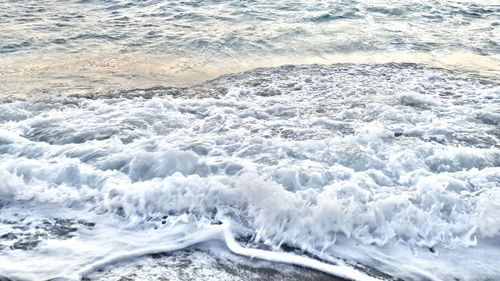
column 57, row 47
column 233, row 28
column 359, row 138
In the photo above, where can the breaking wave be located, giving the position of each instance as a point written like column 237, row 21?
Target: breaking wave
column 392, row 167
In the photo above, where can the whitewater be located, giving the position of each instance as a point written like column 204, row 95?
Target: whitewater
column 338, row 162
column 249, row 140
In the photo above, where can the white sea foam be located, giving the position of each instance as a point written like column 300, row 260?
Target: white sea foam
column 338, row 162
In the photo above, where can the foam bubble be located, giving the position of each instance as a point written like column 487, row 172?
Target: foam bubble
column 345, row 168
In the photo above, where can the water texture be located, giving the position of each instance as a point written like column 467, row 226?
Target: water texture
column 356, row 138
column 393, row 166
column 231, row 28
column 49, row 47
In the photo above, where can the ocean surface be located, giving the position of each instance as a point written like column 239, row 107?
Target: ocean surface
column 208, row 140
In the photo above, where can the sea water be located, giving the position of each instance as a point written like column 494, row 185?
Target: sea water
column 368, row 146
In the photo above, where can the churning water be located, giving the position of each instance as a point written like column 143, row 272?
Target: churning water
column 386, row 163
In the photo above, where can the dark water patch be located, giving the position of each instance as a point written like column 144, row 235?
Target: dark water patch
column 5, row 278
column 27, row 235
column 386, row 11
column 336, row 15
column 14, row 47
column 146, row 93
column 489, row 118
column 94, row 36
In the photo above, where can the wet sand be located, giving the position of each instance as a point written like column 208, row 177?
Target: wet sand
column 102, row 71
column 203, row 263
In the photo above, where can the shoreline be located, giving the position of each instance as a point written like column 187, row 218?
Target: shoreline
column 207, row 262
column 204, row 88
column 34, row 75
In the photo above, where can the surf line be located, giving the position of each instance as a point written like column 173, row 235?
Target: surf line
column 223, row 232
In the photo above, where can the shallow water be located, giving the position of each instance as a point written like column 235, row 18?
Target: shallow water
column 52, row 48
column 368, row 146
